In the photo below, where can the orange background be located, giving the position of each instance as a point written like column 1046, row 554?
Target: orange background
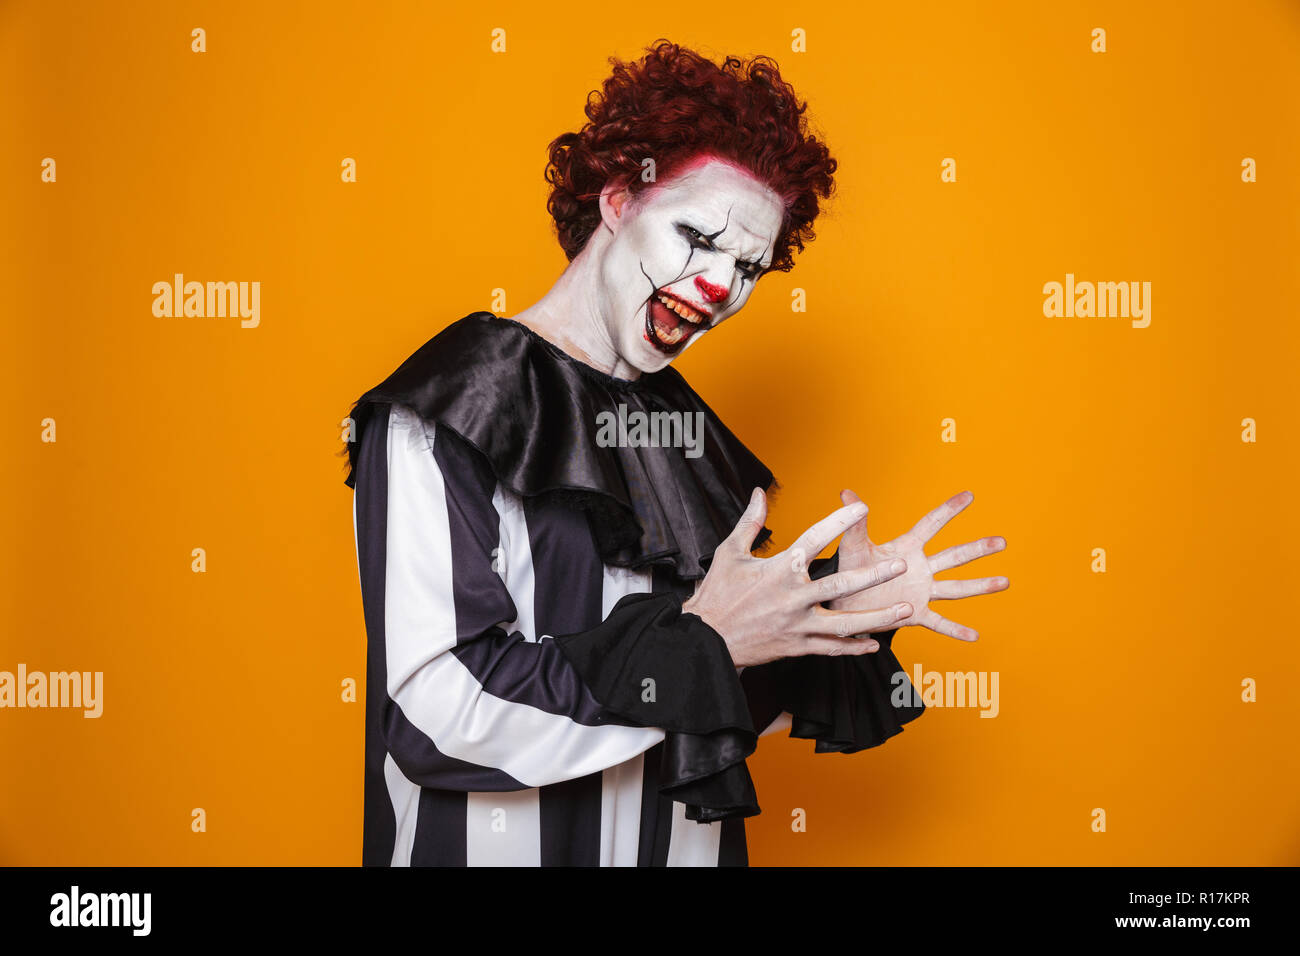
column 222, row 690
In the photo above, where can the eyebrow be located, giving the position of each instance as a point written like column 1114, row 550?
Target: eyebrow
column 712, row 236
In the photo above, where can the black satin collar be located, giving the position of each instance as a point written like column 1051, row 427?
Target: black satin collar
column 531, row 410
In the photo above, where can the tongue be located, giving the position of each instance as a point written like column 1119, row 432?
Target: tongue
column 665, row 320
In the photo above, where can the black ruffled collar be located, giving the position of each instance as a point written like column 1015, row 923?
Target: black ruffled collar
column 531, row 410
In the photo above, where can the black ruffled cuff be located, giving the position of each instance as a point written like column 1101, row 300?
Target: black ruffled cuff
column 650, row 665
column 846, row 704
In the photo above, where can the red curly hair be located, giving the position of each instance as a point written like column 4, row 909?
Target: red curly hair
column 675, row 106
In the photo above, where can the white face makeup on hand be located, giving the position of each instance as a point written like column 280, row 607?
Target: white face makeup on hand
column 700, row 241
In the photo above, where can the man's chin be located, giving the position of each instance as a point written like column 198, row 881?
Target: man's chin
column 652, row 358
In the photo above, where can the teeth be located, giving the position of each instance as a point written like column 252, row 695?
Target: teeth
column 685, row 311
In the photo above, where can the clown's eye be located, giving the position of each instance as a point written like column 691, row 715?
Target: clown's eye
column 696, row 238
column 749, row 270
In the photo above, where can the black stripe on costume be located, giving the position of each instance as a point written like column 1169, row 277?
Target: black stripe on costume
column 421, row 762
column 482, row 601
column 656, row 813
column 440, row 829
column 568, row 586
column 732, row 849
column 379, row 828
column 569, row 815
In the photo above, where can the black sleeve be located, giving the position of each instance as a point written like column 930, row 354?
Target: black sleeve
column 649, row 664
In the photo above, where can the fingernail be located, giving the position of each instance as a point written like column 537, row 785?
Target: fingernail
column 902, row 610
column 872, row 646
column 898, row 567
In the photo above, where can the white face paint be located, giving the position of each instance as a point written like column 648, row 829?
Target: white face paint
column 700, row 240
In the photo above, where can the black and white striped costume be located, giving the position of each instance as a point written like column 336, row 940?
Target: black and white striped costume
column 520, row 587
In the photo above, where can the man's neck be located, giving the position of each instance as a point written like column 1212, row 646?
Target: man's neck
column 571, row 315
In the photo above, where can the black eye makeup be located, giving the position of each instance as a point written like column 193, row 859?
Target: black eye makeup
column 698, row 240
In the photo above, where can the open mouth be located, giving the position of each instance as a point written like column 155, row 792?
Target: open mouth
column 670, row 322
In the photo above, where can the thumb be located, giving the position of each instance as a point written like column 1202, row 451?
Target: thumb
column 750, row 523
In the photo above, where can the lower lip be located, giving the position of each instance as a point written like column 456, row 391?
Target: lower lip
column 654, row 340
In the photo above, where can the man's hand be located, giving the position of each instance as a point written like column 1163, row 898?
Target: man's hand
column 766, row 609
column 917, row 585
